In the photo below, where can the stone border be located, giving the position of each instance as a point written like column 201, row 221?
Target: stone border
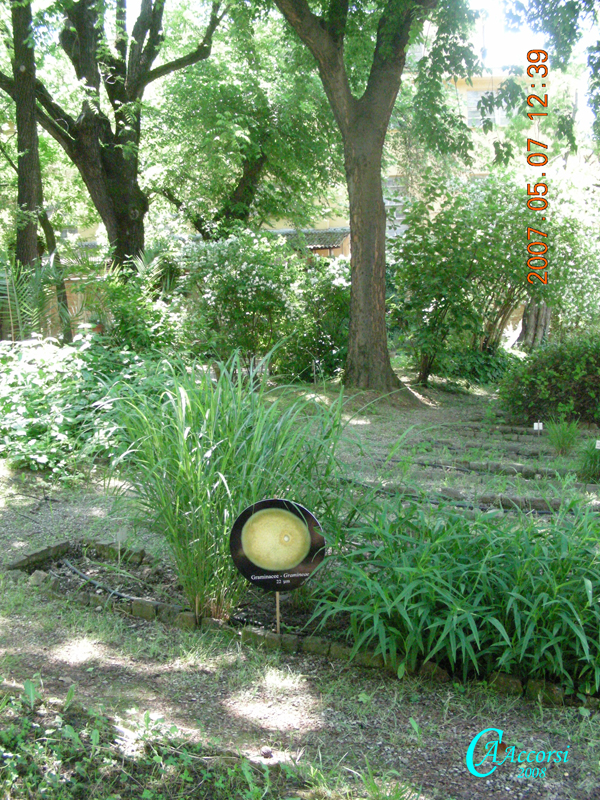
column 535, row 690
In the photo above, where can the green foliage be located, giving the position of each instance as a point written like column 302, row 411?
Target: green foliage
column 236, row 294
column 54, row 401
column 259, row 116
column 564, row 23
column 589, row 465
column 40, row 407
column 132, row 302
column 318, row 340
column 474, row 596
column 23, row 296
column 563, row 435
column 452, row 288
column 251, row 290
column 562, row 379
column 450, row 54
column 473, row 365
column 69, row 754
column 204, row 450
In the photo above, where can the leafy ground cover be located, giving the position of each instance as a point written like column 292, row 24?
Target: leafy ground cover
column 335, row 720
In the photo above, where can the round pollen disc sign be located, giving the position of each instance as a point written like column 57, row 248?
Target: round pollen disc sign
column 276, row 544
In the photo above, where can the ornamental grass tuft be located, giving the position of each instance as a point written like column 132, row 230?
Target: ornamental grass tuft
column 202, row 450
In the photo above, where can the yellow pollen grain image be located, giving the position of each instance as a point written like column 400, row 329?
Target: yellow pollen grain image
column 275, row 539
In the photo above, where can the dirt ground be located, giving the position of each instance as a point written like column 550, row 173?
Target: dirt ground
column 305, row 708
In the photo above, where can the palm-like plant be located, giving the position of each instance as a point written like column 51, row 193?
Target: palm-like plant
column 24, row 295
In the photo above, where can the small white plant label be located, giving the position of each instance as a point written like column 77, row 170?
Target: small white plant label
column 538, row 426
column 597, row 444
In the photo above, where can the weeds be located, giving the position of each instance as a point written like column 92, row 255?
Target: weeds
column 64, row 753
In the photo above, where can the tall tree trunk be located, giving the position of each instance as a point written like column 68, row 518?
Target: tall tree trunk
column 425, row 366
column 28, row 164
column 535, row 325
column 111, row 177
column 368, row 364
column 363, row 123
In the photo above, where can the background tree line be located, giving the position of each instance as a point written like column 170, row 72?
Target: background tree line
column 222, row 119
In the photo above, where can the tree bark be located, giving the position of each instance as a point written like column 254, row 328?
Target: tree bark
column 535, row 325
column 28, row 164
column 61, row 289
column 368, row 364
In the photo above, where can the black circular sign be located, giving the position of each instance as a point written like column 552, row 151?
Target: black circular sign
column 276, row 544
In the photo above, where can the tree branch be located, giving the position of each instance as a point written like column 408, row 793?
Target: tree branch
column 337, row 16
column 8, row 158
column 199, row 54
column 155, row 39
column 393, row 32
column 80, row 39
column 121, row 34
column 309, row 27
column 327, row 51
column 138, row 35
column 196, row 220
column 237, row 205
column 56, row 112
column 51, row 118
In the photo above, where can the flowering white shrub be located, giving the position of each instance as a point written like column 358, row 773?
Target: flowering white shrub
column 251, row 290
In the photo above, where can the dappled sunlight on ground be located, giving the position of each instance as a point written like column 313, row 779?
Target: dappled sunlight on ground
column 78, row 651
column 281, row 700
column 351, row 420
column 282, row 714
column 279, row 681
column 421, row 397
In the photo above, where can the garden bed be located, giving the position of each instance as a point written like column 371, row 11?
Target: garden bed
column 102, row 573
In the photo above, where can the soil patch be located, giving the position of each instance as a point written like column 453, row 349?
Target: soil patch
column 129, row 579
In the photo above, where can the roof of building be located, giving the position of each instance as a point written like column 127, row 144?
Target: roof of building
column 314, row 239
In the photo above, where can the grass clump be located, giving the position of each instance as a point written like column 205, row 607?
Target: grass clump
column 589, row 463
column 563, row 435
column 475, row 595
column 202, row 450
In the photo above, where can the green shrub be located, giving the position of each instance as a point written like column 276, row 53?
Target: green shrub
column 236, row 294
column 249, row 291
column 204, row 450
column 45, row 404
column 563, row 435
column 318, row 345
column 473, row 365
column 55, row 401
column 475, row 596
column 134, row 304
column 589, row 465
column 562, row 378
